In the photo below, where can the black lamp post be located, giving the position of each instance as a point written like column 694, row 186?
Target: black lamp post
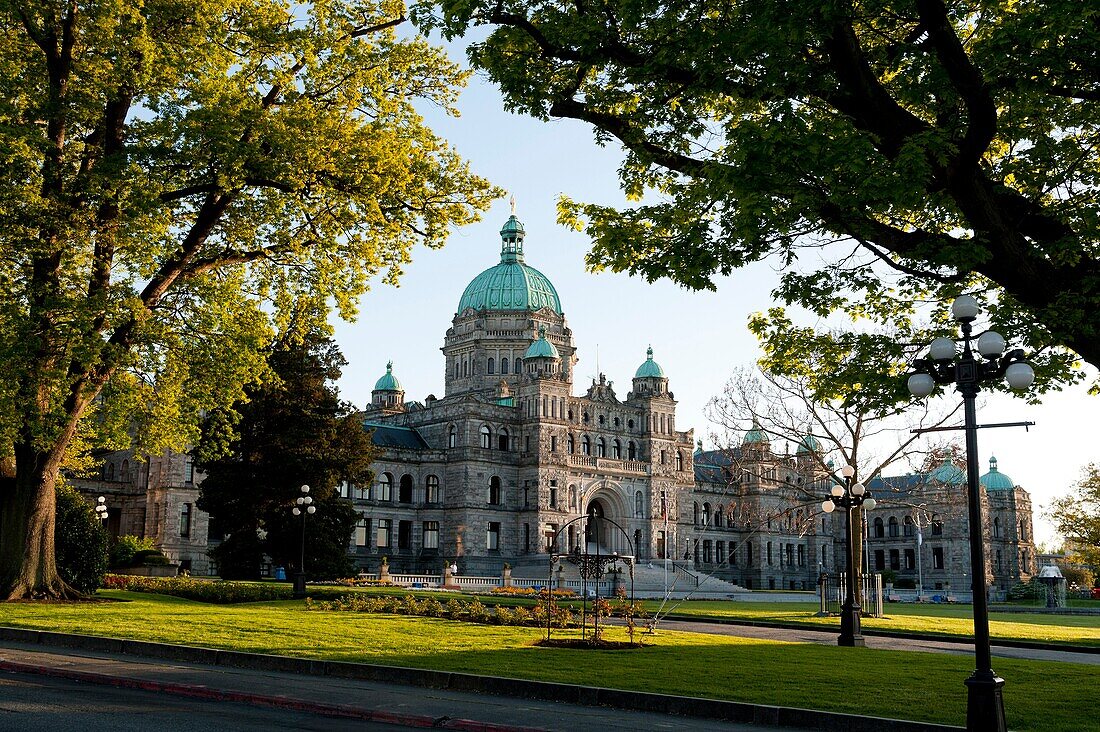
column 850, row 497
column 985, row 705
column 303, row 508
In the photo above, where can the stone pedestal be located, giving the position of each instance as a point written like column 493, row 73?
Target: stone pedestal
column 506, row 577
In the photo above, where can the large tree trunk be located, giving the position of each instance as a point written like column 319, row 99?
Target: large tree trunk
column 28, row 568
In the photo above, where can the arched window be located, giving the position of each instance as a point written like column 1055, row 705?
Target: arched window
column 630, row 424
column 431, row 489
column 458, row 367
column 679, row 460
column 880, row 530
column 571, row 444
column 452, row 437
column 405, row 489
column 937, row 528
column 1023, row 532
column 997, row 527
column 631, row 451
column 491, row 366
column 465, row 368
column 907, row 526
column 601, row 448
column 124, row 476
column 586, row 445
column 384, row 488
column 517, row 366
column 503, row 364
column 893, row 527
column 486, row 437
column 494, row 491
column 110, row 471
column 639, row 505
column 502, row 440
column 695, row 513
column 718, row 517
column 617, row 450
column 573, row 497
column 706, row 514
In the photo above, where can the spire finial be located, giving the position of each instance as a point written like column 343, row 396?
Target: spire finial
column 649, row 353
column 389, row 366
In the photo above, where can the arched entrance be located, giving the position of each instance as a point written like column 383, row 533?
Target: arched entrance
column 595, row 529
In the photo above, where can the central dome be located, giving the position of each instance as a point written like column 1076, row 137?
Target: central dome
column 510, row 285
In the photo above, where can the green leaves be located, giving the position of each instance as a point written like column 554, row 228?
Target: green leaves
column 945, row 147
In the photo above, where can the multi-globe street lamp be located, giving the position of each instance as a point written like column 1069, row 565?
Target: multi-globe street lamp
column 945, row 365
column 304, row 507
column 849, row 496
column 101, row 511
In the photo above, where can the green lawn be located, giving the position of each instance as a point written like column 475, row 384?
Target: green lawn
column 924, row 686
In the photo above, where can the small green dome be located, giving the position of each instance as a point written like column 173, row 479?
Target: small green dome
column 995, row 480
column 808, row 444
column 948, row 473
column 388, row 382
column 755, row 436
column 650, row 368
column 511, row 284
column 541, row 348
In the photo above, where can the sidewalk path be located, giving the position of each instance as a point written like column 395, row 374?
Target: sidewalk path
column 823, row 637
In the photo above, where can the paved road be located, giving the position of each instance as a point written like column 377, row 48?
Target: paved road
column 804, row 635
column 408, row 702
column 33, row 703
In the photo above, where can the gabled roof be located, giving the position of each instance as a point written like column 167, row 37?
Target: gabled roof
column 406, row 438
column 713, row 466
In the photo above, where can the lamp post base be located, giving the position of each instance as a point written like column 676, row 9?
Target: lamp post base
column 850, row 634
column 985, row 706
column 299, row 585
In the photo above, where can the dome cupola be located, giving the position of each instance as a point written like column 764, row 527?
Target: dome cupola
column 948, row 473
column 388, row 394
column 995, row 480
column 649, row 368
column 541, row 348
column 756, row 436
column 511, row 284
column 388, row 382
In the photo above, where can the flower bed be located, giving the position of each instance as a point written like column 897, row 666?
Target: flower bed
column 454, row 609
column 531, row 592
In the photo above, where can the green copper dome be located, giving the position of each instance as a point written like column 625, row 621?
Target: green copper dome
column 808, row 444
column 755, row 436
column 995, row 480
column 649, row 368
column 510, row 285
column 948, row 473
column 541, row 348
column 388, row 382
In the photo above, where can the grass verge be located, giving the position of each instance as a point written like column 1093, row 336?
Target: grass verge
column 1045, row 696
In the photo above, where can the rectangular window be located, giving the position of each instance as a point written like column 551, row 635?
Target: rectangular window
column 362, row 530
column 801, row 555
column 880, row 559
column 910, row 559
column 553, row 494
column 492, row 536
column 937, row 528
column 431, row 534
column 185, row 520
column 790, row 554
column 707, row 557
column 404, row 534
column 937, row 557
column 382, row 534
column 551, row 530
column 526, row 538
column 769, row 552
column 188, row 471
column 733, row 554
column 661, row 545
column 431, row 490
column 553, row 443
column 748, row 555
column 527, row 443
column 719, row 551
column 895, row 559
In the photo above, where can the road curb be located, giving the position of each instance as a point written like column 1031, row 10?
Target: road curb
column 699, row 708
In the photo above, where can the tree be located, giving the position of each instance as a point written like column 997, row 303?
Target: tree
column 81, row 541
column 175, row 176
column 829, row 429
column 917, row 149
column 1076, row 516
column 291, row 431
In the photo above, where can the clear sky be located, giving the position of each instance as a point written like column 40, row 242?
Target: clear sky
column 699, row 338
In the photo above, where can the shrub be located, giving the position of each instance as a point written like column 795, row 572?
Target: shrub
column 125, row 547
column 214, row 591
column 149, row 558
column 1033, row 590
column 80, row 541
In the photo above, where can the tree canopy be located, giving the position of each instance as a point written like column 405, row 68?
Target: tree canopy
column 291, row 431
column 176, row 179
column 883, row 154
column 1076, row 516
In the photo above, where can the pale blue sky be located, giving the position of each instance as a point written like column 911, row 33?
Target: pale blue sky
column 699, row 338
